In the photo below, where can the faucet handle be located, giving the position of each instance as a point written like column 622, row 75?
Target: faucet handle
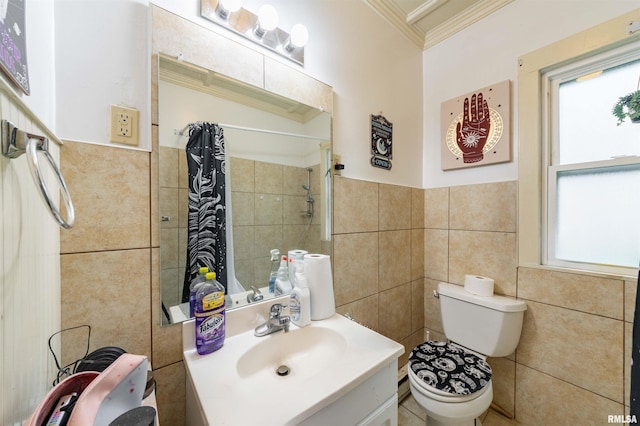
column 284, row 322
column 276, row 310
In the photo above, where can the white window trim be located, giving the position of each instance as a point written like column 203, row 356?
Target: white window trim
column 533, row 155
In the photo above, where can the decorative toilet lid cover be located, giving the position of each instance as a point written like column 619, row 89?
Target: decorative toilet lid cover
column 449, row 368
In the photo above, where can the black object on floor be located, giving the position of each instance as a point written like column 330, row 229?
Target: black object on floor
column 140, row 416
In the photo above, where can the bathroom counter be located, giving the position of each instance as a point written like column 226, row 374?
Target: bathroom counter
column 238, row 385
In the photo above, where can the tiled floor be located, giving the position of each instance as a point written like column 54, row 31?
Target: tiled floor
column 411, row 414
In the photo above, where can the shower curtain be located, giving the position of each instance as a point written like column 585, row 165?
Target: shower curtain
column 207, row 221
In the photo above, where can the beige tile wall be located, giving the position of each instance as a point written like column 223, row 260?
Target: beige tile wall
column 173, row 205
column 105, row 257
column 571, row 365
column 378, row 257
column 391, row 246
column 110, row 258
column 268, row 201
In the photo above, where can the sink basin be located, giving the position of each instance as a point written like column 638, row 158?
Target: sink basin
column 304, row 351
column 326, row 361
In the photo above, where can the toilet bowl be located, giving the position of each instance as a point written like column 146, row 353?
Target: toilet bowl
column 452, row 380
column 450, row 394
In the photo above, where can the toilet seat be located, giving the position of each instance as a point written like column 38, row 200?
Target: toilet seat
column 448, row 371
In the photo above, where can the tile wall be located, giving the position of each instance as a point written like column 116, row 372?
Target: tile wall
column 106, row 257
column 391, row 246
column 268, row 201
column 572, row 361
column 378, row 258
column 174, row 209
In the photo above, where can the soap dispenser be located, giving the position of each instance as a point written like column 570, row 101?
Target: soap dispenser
column 300, row 299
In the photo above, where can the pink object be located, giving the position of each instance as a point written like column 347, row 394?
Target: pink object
column 102, row 396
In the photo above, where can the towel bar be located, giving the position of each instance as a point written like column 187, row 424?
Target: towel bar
column 16, row 142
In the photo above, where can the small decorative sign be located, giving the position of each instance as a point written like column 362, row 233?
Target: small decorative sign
column 476, row 128
column 13, row 47
column 381, row 142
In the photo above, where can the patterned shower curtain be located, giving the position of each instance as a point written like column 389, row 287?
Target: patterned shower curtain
column 207, row 233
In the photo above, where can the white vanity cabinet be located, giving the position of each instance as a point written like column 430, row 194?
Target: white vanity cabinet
column 341, row 374
column 373, row 403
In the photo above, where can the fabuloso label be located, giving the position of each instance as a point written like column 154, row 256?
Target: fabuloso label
column 212, row 300
column 211, row 326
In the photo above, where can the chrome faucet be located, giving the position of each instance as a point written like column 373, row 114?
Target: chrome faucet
column 276, row 322
column 255, row 295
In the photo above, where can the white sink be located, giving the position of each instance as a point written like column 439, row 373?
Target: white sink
column 326, row 360
column 300, row 353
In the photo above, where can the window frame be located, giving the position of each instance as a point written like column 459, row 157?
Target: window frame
column 551, row 81
column 534, row 156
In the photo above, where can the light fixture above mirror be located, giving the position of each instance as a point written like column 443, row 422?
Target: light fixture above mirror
column 261, row 28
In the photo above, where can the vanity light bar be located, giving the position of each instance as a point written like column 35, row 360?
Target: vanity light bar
column 261, row 29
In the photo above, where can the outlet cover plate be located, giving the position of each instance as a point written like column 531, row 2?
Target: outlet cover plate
column 124, row 125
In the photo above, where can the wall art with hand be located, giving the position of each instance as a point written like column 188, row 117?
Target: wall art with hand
column 476, row 128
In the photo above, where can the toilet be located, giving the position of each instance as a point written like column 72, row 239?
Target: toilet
column 451, row 380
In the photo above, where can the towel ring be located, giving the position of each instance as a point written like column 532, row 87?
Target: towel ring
column 16, row 142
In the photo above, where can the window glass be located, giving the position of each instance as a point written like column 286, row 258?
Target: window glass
column 587, row 129
column 597, row 215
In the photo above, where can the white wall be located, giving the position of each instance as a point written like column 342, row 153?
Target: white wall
column 41, row 62
column 370, row 65
column 102, row 59
column 487, row 53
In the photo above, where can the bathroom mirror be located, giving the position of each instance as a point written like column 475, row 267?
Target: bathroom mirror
column 279, row 157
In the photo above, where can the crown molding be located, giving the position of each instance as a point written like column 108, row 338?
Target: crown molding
column 462, row 20
column 392, row 13
column 408, row 24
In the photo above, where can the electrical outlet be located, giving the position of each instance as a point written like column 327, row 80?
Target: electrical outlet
column 124, row 125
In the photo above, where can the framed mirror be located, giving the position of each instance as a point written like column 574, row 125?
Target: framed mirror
column 278, row 155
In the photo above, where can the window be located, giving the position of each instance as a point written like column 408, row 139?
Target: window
column 593, row 170
column 579, row 172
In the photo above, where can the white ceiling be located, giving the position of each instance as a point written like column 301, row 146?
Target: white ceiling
column 428, row 22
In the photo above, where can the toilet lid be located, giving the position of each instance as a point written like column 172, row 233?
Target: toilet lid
column 449, row 368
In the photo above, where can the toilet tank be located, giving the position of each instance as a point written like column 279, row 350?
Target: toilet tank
column 489, row 325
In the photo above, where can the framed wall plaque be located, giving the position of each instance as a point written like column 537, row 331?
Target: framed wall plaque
column 13, row 46
column 381, row 142
column 476, row 128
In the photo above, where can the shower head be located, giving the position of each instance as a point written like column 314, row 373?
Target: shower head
column 305, row 187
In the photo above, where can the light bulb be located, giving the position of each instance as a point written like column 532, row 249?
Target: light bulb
column 299, row 35
column 227, row 7
column 267, row 17
column 231, row 5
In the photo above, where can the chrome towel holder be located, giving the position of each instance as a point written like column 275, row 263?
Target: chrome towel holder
column 16, row 142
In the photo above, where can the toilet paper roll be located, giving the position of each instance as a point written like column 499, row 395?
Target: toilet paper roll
column 317, row 269
column 478, row 285
column 294, row 256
